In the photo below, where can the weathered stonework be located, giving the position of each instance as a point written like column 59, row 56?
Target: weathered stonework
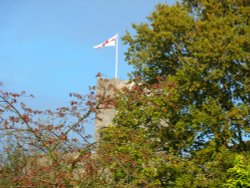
column 108, row 89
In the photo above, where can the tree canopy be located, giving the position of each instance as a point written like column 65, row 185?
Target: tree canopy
column 191, row 93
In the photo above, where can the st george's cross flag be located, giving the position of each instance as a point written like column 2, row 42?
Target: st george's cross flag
column 113, row 41
column 107, row 43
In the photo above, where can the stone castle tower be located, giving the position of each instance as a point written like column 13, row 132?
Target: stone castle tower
column 106, row 88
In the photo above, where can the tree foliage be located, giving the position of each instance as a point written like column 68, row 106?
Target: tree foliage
column 45, row 148
column 191, row 89
column 239, row 174
column 184, row 123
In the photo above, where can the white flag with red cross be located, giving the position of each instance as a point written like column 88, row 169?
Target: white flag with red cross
column 107, row 43
column 113, row 41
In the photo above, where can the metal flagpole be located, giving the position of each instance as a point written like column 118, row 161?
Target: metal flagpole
column 116, row 57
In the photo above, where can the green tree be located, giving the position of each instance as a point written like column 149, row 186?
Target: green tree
column 239, row 174
column 191, row 87
column 201, row 48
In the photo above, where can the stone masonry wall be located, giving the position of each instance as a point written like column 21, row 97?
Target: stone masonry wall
column 104, row 116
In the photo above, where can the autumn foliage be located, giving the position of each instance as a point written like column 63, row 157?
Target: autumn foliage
column 45, row 148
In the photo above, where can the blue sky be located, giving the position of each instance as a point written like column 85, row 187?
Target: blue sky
column 46, row 46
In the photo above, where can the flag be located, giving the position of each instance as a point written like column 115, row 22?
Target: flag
column 107, row 43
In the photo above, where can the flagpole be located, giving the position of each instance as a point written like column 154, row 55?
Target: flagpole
column 116, row 58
